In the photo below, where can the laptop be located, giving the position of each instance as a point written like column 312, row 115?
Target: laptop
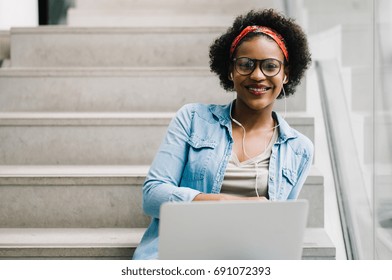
column 228, row 230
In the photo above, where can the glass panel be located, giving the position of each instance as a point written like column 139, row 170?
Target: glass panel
column 383, row 130
column 342, row 32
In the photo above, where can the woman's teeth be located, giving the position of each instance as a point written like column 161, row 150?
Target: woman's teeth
column 258, row 89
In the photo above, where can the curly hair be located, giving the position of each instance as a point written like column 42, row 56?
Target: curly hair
column 294, row 37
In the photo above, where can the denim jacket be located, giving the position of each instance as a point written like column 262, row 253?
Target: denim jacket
column 193, row 158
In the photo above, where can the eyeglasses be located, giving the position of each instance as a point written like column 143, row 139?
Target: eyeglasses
column 245, row 66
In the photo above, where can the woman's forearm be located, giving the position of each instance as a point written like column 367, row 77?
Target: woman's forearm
column 221, row 196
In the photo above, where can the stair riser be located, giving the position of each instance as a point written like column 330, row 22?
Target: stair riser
column 179, row 6
column 71, row 206
column 149, row 91
column 111, row 47
column 60, row 143
column 104, row 202
column 117, row 18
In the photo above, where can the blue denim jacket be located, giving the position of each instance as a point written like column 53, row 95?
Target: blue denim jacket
column 193, row 157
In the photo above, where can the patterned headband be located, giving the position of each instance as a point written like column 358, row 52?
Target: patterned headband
column 261, row 29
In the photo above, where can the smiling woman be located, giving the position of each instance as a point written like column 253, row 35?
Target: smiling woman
column 243, row 150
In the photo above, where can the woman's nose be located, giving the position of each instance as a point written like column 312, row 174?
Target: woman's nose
column 257, row 74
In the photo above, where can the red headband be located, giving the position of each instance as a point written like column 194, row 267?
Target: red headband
column 261, row 29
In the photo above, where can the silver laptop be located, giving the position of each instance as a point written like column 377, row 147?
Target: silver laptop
column 232, row 230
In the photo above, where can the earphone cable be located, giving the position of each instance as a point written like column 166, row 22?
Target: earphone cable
column 244, row 134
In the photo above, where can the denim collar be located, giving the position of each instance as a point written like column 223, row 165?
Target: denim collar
column 222, row 113
column 285, row 131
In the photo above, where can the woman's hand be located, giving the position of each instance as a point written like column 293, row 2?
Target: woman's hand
column 221, row 196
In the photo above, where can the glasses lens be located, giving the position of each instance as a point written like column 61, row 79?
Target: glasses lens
column 270, row 67
column 244, row 65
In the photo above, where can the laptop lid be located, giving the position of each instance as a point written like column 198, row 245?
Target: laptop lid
column 232, row 230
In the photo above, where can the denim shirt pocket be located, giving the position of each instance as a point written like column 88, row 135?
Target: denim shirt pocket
column 199, row 155
column 289, row 180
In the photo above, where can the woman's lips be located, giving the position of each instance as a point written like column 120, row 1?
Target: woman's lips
column 258, row 90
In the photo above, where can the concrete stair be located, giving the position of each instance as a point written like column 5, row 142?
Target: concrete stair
column 124, row 18
column 112, row 47
column 213, row 7
column 95, row 196
column 147, row 89
column 351, row 45
column 364, row 125
column 89, row 212
column 323, row 15
column 92, row 138
column 83, row 111
column 113, row 243
column 72, row 196
column 179, row 13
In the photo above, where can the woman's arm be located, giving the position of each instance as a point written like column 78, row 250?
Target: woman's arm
column 303, row 170
column 221, row 196
column 164, row 177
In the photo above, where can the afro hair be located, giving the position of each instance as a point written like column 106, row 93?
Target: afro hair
column 294, row 37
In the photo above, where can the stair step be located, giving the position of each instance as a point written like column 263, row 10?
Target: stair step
column 116, row 90
column 126, row 18
column 111, row 243
column 179, row 6
column 366, row 126
column 333, row 5
column 55, row 46
column 93, row 138
column 345, row 42
column 96, row 196
column 326, row 14
column 72, row 196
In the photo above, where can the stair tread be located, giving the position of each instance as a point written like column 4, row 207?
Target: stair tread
column 72, row 170
column 65, row 30
column 108, row 115
column 113, row 118
column 94, row 171
column 70, row 237
column 100, row 71
column 108, row 237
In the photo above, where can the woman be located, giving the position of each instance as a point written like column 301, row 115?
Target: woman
column 243, row 150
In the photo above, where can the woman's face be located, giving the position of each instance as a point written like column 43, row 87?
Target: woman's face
column 257, row 91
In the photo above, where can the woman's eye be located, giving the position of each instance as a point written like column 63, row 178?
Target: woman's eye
column 248, row 64
column 271, row 66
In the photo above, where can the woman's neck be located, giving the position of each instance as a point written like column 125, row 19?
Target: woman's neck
column 252, row 119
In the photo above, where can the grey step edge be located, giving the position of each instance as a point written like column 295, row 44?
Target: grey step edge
column 92, row 138
column 113, row 243
column 97, row 196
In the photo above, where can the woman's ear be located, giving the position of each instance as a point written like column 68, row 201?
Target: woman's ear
column 230, row 74
column 286, row 75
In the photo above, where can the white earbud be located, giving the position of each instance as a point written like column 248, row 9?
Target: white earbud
column 231, row 77
column 285, row 79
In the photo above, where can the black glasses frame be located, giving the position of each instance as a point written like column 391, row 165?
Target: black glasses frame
column 261, row 61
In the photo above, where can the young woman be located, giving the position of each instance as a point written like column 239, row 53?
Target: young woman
column 242, row 150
